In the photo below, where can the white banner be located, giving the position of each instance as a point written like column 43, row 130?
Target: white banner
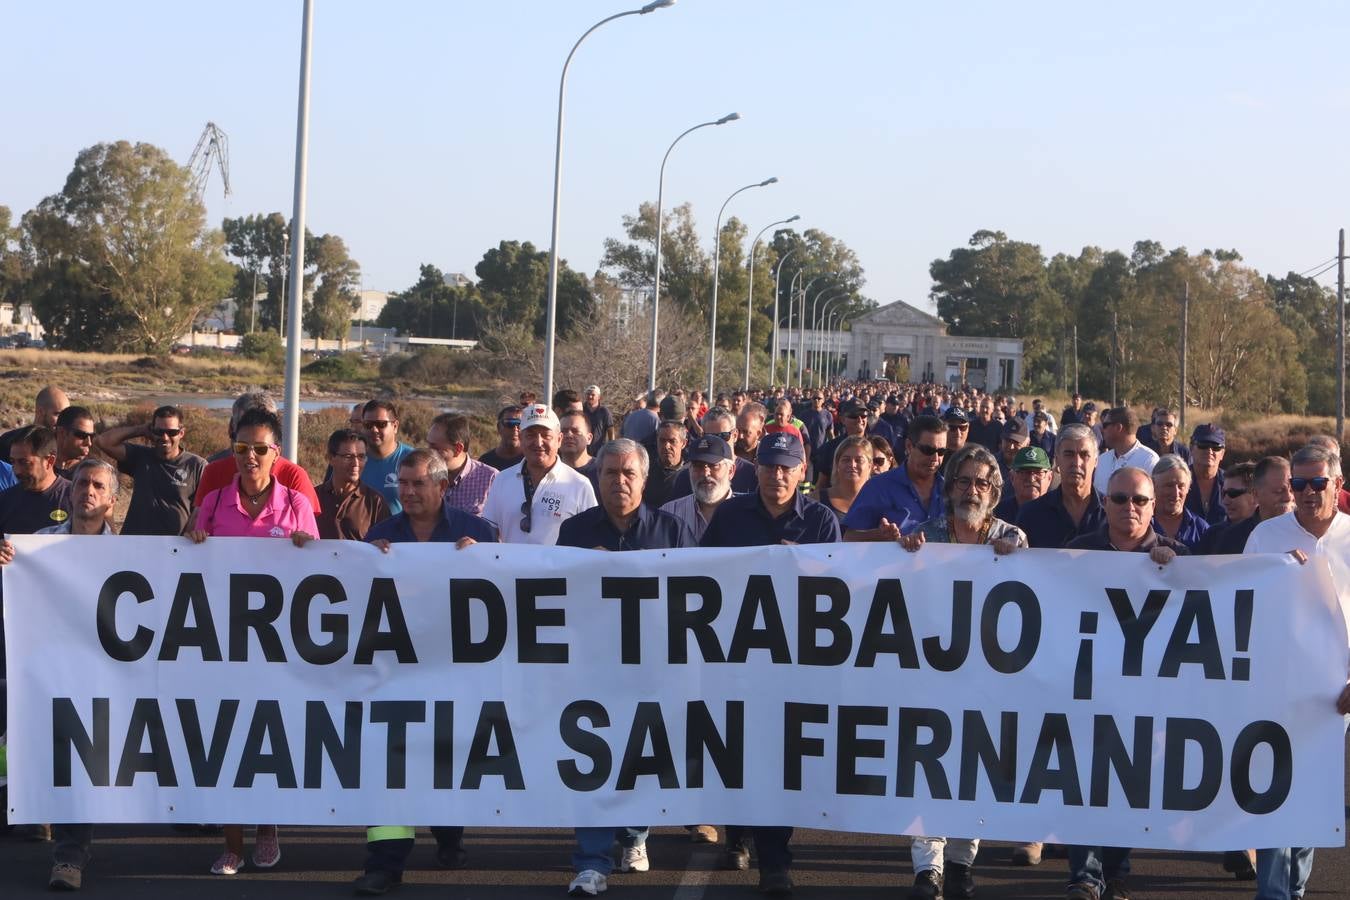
column 1072, row 697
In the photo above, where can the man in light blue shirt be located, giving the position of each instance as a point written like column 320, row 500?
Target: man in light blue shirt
column 384, row 451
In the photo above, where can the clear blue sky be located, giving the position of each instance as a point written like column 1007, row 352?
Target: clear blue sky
column 900, row 128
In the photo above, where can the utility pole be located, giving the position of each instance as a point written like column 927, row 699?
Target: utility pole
column 1115, row 353
column 1340, row 337
column 1185, row 323
column 1075, row 358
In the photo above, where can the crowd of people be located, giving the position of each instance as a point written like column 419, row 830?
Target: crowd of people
column 874, row 461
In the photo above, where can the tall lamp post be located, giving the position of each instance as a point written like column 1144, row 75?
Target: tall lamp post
column 839, row 354
column 750, row 299
column 816, row 329
column 660, row 201
column 801, row 318
column 290, row 433
column 777, row 289
column 787, row 352
column 717, row 265
column 550, row 328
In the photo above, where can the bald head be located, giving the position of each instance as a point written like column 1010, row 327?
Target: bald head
column 51, row 400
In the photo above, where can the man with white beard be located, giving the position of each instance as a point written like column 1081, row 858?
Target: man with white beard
column 710, row 465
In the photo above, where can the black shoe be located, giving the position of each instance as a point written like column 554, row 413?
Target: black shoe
column 373, row 884
column 775, row 884
column 1082, row 890
column 958, row 882
column 452, row 857
column 736, row 858
column 1240, row 864
column 927, row 886
column 1117, row 889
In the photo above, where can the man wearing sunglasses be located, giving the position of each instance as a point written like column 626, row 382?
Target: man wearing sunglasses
column 1205, row 497
column 720, row 423
column 1314, row 529
column 74, row 438
column 1239, row 506
column 899, row 501
column 384, row 451
column 855, row 417
column 164, row 475
column 1097, row 872
column 529, row 501
column 507, row 452
column 1123, row 449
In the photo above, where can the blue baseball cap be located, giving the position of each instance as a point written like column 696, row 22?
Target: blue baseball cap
column 1207, row 434
column 782, row 448
column 709, row 449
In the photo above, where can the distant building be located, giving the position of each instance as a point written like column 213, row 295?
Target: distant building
column 372, row 303
column 901, row 343
column 634, row 302
column 458, row 279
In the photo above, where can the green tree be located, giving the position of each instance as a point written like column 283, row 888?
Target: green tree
column 513, row 282
column 258, row 242
column 122, row 258
column 686, row 269
column 14, row 267
column 328, row 313
column 1000, row 288
column 432, row 308
column 1308, row 310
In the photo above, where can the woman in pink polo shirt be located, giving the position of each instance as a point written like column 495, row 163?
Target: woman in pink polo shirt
column 254, row 504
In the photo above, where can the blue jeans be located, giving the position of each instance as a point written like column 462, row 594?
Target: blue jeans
column 1094, row 865
column 593, row 845
column 1282, row 872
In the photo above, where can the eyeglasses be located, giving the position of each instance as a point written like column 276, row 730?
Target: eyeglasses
column 878, row 461
column 1234, row 493
column 511, row 423
column 525, row 510
column 1318, row 484
column 379, row 423
column 350, row 457
column 166, row 432
column 856, row 415
column 1138, row 500
column 926, row 450
column 1208, row 446
column 258, row 449
column 724, row 435
column 81, row 435
column 981, row 485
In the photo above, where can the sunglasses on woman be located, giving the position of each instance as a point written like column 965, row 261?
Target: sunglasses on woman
column 258, row 449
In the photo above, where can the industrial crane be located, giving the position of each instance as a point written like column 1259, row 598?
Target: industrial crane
column 212, row 145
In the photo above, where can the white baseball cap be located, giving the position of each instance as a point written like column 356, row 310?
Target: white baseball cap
column 538, row 414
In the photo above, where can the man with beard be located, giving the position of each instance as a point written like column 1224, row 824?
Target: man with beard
column 942, row 867
column 164, row 475
column 720, row 423
column 710, row 465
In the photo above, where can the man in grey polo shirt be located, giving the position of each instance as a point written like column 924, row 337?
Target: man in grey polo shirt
column 710, row 465
column 165, row 475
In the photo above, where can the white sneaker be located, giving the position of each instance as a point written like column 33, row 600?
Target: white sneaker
column 634, row 859
column 588, row 883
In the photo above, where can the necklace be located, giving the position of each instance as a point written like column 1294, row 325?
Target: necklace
column 254, row 498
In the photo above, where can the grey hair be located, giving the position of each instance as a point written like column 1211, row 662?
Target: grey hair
column 719, row 413
column 623, row 447
column 1169, row 461
column 1317, row 453
column 91, row 463
column 978, row 454
column 675, row 424
column 251, row 400
column 1077, row 432
column 1131, row 470
column 1329, row 444
column 755, row 408
column 437, row 470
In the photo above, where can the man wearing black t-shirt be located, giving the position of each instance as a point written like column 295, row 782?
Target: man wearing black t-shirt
column 41, row 498
column 166, row 476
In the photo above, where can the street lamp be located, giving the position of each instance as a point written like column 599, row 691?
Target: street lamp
column 550, row 327
column 839, row 354
column 717, row 261
column 660, row 200
column 816, row 324
column 750, row 297
column 787, row 353
column 777, row 289
column 801, row 318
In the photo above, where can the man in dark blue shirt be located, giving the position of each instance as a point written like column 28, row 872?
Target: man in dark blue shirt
column 422, row 481
column 899, row 501
column 721, row 423
column 1074, row 508
column 854, row 416
column 774, row 514
column 819, row 422
column 1205, row 496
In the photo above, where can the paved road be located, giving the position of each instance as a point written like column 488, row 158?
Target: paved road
column 148, row 863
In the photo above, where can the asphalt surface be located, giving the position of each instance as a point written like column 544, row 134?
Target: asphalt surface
column 153, row 862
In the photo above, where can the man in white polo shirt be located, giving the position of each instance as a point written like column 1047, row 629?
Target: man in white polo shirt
column 1313, row 529
column 529, row 501
column 1123, row 448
